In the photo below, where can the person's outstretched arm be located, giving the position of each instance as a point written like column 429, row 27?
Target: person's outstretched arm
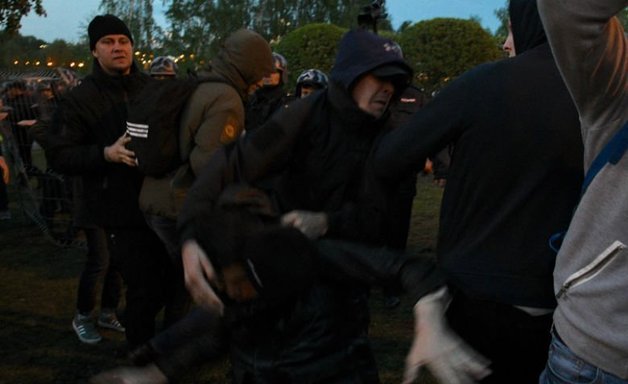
column 590, row 49
column 435, row 346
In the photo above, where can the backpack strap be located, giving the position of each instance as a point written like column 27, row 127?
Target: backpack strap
column 612, row 152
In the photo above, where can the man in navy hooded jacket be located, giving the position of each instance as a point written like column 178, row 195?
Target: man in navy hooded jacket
column 513, row 181
column 314, row 152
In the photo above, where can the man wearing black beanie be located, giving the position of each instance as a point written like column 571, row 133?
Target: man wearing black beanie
column 104, row 25
column 91, row 146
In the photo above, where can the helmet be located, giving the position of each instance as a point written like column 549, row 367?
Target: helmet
column 281, row 64
column 312, row 77
column 163, row 66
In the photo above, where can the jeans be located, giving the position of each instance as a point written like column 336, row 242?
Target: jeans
column 564, row 367
column 96, row 267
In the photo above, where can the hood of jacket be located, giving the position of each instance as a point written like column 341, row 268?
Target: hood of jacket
column 360, row 52
column 527, row 28
column 244, row 59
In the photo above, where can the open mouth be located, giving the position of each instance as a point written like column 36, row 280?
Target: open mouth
column 380, row 102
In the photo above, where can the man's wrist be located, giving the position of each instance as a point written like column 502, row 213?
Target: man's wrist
column 106, row 155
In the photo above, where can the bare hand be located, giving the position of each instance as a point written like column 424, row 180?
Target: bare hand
column 198, row 272
column 5, row 170
column 118, row 153
column 311, row 224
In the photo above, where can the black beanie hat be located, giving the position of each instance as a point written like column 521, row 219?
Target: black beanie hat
column 104, row 25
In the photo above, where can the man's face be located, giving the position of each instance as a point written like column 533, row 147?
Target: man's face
column 307, row 89
column 272, row 80
column 237, row 284
column 114, row 54
column 15, row 92
column 509, row 44
column 372, row 94
column 254, row 87
column 46, row 93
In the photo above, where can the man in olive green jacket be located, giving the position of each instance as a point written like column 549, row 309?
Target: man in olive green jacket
column 213, row 116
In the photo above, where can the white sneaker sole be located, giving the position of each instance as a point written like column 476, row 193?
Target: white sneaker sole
column 103, row 324
column 82, row 339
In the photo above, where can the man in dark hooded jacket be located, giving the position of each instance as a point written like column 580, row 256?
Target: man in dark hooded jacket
column 270, row 97
column 315, row 153
column 513, row 181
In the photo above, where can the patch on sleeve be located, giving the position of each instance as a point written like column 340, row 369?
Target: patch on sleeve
column 230, row 132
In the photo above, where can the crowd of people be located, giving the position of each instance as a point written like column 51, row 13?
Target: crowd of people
column 287, row 207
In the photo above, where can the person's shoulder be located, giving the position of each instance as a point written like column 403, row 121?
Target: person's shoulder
column 212, row 90
column 87, row 86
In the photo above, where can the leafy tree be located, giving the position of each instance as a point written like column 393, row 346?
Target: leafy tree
column 405, row 25
column 443, row 48
column 16, row 51
column 27, row 52
column 198, row 26
column 12, row 11
column 138, row 16
column 312, row 46
column 502, row 31
column 623, row 18
column 61, row 53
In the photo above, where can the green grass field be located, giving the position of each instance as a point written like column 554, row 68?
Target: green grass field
column 38, row 284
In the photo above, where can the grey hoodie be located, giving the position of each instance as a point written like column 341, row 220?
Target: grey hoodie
column 591, row 273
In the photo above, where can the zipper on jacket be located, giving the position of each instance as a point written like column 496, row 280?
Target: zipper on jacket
column 589, row 271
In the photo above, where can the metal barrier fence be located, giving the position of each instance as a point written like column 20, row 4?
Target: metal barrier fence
column 41, row 194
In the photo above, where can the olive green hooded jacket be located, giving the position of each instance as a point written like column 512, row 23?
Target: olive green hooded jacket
column 213, row 117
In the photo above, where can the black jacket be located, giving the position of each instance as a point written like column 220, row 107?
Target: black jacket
column 515, row 172
column 314, row 150
column 261, row 106
column 311, row 156
column 316, row 337
column 91, row 117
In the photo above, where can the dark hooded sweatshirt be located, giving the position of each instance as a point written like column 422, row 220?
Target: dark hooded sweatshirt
column 310, row 156
column 515, row 173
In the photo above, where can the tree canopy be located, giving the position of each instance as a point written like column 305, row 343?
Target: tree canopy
column 311, row 46
column 198, row 26
column 443, row 48
column 12, row 11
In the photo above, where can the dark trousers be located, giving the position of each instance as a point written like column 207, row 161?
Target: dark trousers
column 97, row 267
column 143, row 259
column 514, row 341
column 196, row 339
column 24, row 144
column 178, row 300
